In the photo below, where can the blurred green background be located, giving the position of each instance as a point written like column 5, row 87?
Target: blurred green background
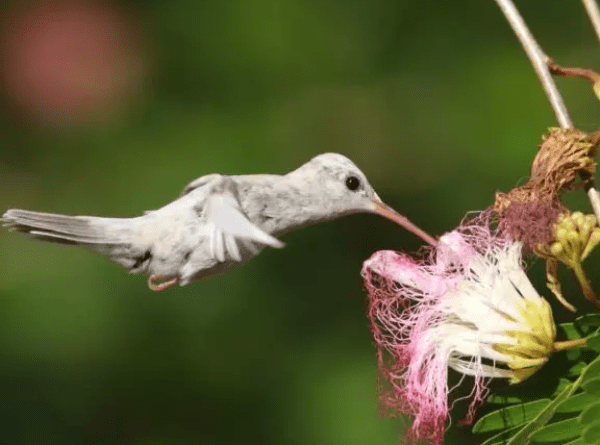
column 111, row 108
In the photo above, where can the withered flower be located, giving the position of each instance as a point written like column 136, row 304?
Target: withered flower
column 529, row 212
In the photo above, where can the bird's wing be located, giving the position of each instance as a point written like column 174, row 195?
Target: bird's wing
column 229, row 228
column 199, row 182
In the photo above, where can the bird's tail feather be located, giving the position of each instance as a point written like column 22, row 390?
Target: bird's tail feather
column 114, row 237
column 80, row 230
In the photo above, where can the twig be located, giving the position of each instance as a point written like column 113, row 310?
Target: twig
column 538, row 59
column 594, row 14
column 585, row 73
column 595, row 201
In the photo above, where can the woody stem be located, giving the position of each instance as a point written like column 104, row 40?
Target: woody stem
column 594, row 14
column 539, row 60
column 585, row 73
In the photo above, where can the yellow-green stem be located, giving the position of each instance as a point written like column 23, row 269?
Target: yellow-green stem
column 586, row 286
column 568, row 344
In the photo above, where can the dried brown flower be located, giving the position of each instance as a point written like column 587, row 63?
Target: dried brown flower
column 528, row 213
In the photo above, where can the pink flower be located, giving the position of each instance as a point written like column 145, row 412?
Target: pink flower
column 470, row 307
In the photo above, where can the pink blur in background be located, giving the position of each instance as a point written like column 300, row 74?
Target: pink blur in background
column 73, row 62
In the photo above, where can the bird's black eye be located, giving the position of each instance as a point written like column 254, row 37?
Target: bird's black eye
column 353, row 183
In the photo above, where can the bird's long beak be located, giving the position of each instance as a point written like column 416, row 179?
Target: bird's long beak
column 379, row 207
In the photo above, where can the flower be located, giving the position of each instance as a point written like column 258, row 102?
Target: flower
column 470, row 307
column 575, row 235
column 527, row 213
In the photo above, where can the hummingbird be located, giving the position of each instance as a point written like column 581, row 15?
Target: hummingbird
column 218, row 222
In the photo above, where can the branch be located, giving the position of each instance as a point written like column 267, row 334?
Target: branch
column 540, row 64
column 595, row 201
column 594, row 14
column 586, row 73
column 538, row 60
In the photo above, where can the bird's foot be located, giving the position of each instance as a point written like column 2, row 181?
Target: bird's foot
column 158, row 283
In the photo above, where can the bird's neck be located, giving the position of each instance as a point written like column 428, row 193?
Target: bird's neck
column 278, row 205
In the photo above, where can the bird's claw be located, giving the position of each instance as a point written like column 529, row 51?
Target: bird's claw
column 158, row 283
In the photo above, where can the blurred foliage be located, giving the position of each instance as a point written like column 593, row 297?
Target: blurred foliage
column 548, row 410
column 436, row 104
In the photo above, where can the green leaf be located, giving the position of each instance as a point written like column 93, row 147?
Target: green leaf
column 576, row 442
column 563, row 430
column 577, row 403
column 574, row 355
column 591, row 435
column 592, row 370
column 510, row 416
column 501, row 437
column 581, row 327
column 593, row 342
column 562, row 385
column 577, row 369
column 521, row 438
column 587, row 324
column 592, row 386
column 591, row 414
column 569, row 331
column 528, row 391
column 496, row 399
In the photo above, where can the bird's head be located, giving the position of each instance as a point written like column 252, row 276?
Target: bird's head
column 340, row 188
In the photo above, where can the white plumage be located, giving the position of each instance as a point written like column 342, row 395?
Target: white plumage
column 218, row 222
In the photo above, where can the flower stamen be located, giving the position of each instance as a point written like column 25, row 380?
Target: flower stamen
column 469, row 307
column 574, row 237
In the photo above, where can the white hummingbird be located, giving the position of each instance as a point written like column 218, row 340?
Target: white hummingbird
column 218, row 221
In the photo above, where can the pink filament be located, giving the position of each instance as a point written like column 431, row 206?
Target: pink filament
column 405, row 296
